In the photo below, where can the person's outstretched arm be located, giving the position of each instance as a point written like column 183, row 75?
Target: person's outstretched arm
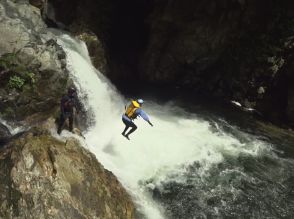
column 144, row 115
column 150, row 122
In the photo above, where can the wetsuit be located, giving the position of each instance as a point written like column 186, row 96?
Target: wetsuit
column 67, row 103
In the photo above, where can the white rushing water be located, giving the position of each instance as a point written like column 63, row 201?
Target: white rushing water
column 13, row 129
column 177, row 139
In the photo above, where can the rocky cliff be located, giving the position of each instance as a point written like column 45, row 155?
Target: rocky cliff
column 42, row 177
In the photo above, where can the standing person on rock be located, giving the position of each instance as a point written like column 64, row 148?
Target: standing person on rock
column 132, row 112
column 67, row 104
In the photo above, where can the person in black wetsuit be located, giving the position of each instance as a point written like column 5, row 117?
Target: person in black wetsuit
column 67, row 105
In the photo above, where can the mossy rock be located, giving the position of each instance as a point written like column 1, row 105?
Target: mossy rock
column 27, row 90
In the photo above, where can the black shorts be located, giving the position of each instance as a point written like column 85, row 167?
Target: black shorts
column 128, row 122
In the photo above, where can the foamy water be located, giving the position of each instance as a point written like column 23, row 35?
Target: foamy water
column 176, row 140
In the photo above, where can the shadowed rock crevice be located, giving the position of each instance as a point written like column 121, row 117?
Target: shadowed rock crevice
column 52, row 160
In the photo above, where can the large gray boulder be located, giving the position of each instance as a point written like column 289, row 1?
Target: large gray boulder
column 43, row 178
column 33, row 73
column 20, row 24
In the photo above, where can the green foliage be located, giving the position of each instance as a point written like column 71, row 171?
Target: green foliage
column 16, row 82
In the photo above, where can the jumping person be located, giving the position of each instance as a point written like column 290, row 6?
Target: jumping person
column 67, row 105
column 132, row 112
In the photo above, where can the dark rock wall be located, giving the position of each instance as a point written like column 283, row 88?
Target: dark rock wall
column 189, row 37
column 231, row 49
column 118, row 24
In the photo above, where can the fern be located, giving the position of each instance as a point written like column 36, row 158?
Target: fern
column 16, row 82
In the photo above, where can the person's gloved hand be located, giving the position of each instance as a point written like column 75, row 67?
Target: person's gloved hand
column 150, row 123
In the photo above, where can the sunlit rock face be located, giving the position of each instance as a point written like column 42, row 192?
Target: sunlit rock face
column 42, row 177
column 33, row 74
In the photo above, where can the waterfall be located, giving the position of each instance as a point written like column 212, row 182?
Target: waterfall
column 154, row 154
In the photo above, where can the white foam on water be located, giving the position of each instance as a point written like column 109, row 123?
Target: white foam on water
column 13, row 129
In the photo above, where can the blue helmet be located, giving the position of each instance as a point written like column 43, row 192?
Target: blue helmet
column 140, row 101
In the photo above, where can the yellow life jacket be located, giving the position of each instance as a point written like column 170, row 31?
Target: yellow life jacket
column 130, row 111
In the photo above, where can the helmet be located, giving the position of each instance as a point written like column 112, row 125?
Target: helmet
column 71, row 91
column 140, row 101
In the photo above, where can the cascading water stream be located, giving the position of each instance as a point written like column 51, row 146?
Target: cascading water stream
column 154, row 156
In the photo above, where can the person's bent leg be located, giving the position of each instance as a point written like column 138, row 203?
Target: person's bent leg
column 134, row 127
column 125, row 130
column 60, row 123
column 127, row 124
column 70, row 121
